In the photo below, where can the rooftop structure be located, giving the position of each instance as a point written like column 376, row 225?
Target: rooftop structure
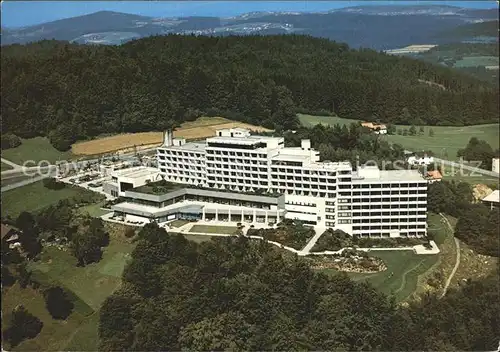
column 122, row 180
column 434, row 176
column 492, row 199
column 377, row 128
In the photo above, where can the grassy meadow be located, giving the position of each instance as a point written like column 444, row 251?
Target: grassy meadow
column 88, row 286
column 36, row 149
column 445, row 143
column 34, row 197
column 229, row 230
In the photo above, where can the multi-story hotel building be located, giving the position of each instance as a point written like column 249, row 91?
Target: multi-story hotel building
column 367, row 202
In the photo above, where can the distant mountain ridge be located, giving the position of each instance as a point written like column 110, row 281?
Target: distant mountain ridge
column 361, row 26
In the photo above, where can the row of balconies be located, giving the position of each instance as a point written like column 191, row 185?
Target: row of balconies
column 222, row 151
column 171, row 152
column 303, row 193
column 184, row 167
column 401, row 184
column 303, row 186
column 389, row 198
column 390, row 227
column 389, row 215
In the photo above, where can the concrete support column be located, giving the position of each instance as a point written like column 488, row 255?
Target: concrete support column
column 254, row 215
column 242, row 216
column 229, row 215
column 203, row 217
column 216, row 215
column 266, row 221
column 277, row 216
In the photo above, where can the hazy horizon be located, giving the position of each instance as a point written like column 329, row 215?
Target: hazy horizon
column 28, row 13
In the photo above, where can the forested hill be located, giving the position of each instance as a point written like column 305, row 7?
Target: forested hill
column 77, row 91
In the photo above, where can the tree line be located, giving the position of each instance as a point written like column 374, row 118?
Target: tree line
column 238, row 294
column 477, row 224
column 70, row 91
column 353, row 143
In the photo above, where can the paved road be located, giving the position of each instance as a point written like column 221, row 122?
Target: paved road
column 319, row 231
column 72, row 164
column 23, row 183
column 457, row 260
column 8, row 162
column 459, row 166
column 50, row 170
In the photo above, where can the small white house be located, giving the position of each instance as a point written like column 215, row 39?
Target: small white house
column 425, row 160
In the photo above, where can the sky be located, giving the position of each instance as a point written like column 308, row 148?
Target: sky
column 25, row 13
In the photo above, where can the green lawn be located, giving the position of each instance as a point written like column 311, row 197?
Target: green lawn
column 406, row 266
column 89, row 285
column 5, row 167
column 198, row 238
column 473, row 180
column 447, row 140
column 34, row 197
column 36, row 149
column 93, row 210
column 445, row 143
column 178, row 223
column 473, row 61
column 229, row 230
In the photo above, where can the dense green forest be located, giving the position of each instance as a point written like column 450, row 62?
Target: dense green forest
column 69, row 91
column 237, row 294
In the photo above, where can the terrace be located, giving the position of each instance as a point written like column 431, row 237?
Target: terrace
column 159, row 187
column 163, row 187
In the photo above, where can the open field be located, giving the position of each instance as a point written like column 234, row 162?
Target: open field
column 5, row 167
column 312, row 120
column 178, row 223
column 34, row 197
column 445, row 143
column 229, row 230
column 55, row 334
column 473, row 180
column 201, row 128
column 36, row 149
column 5, row 181
column 447, row 140
column 90, row 285
column 474, row 61
column 93, row 210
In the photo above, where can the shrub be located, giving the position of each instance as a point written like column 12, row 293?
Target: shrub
column 57, row 302
column 10, row 140
column 129, row 232
column 53, row 184
column 22, row 325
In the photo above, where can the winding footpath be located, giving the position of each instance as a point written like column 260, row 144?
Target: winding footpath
column 457, row 261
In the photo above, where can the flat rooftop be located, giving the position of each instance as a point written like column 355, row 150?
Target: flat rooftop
column 390, row 175
column 189, row 146
column 158, row 188
column 493, row 197
column 135, row 172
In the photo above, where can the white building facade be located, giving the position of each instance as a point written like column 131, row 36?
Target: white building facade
column 367, row 202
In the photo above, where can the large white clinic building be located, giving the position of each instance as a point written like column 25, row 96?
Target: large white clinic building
column 244, row 177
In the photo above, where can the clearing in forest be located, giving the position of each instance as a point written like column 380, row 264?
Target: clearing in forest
column 201, row 128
